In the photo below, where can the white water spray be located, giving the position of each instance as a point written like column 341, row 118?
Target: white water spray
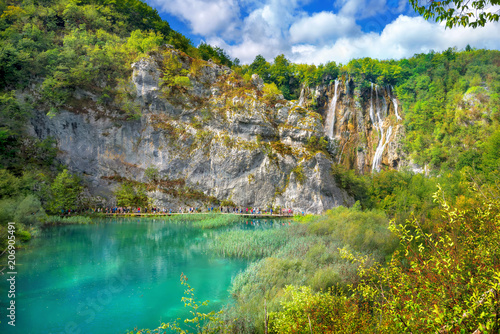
column 377, row 158
column 372, row 116
column 384, row 138
column 395, row 102
column 330, row 117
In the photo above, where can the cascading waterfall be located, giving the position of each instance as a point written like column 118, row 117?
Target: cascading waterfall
column 384, row 108
column 377, row 158
column 384, row 138
column 302, row 98
column 395, row 102
column 330, row 117
column 372, row 116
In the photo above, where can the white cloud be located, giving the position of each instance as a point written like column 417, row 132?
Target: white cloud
column 264, row 31
column 402, row 38
column 321, row 27
column 246, row 28
column 205, row 17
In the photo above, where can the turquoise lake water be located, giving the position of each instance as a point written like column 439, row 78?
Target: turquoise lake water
column 114, row 276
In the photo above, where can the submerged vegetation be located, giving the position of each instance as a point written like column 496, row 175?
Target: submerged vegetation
column 207, row 220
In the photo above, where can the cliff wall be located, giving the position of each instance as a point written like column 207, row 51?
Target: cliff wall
column 213, row 137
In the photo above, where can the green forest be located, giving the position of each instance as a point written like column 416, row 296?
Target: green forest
column 416, row 253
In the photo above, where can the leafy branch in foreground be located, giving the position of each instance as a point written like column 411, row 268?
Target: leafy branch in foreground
column 469, row 13
column 445, row 281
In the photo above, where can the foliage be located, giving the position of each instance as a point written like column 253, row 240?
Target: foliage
column 152, row 174
column 367, row 70
column 315, row 144
column 9, row 184
column 289, row 77
column 306, row 311
column 29, row 211
column 65, row 191
column 68, row 220
column 355, row 185
column 458, row 13
column 218, row 55
column 174, row 77
column 13, row 117
column 131, row 195
column 216, row 220
column 298, row 254
column 448, row 114
column 271, row 93
column 445, row 281
column 299, row 174
column 362, row 231
column 249, row 244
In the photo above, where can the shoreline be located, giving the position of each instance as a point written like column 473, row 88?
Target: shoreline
column 246, row 215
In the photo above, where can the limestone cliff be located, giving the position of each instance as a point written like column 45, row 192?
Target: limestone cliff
column 214, row 136
column 364, row 120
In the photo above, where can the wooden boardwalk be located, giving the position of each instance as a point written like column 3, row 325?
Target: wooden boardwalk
column 245, row 215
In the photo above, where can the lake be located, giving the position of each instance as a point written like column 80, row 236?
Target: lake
column 114, row 276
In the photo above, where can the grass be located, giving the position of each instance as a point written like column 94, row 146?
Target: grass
column 217, row 220
column 249, row 244
column 303, row 254
column 56, row 220
column 207, row 220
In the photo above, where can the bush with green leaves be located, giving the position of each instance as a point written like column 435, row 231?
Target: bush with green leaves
column 444, row 281
column 306, row 311
column 65, row 191
column 131, row 195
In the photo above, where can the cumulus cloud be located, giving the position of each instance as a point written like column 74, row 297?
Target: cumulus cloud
column 358, row 28
column 205, row 17
column 402, row 38
column 321, row 27
column 263, row 31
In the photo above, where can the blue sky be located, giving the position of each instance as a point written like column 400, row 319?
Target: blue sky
column 314, row 31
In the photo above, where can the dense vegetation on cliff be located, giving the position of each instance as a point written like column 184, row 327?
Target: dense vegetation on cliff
column 435, row 267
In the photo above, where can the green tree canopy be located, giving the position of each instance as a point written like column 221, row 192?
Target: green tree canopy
column 130, row 195
column 65, row 191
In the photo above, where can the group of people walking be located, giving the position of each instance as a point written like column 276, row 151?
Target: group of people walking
column 180, row 210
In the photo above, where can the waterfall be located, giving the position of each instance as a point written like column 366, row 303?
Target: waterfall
column 372, row 116
column 330, row 117
column 377, row 158
column 384, row 138
column 395, row 102
column 302, row 98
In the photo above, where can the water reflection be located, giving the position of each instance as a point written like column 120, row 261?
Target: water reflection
column 117, row 274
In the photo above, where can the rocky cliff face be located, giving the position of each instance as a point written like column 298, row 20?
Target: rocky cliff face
column 363, row 120
column 213, row 137
column 218, row 137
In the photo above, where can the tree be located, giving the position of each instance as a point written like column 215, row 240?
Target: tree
column 65, row 191
column 152, row 174
column 261, row 67
column 469, row 13
column 128, row 195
